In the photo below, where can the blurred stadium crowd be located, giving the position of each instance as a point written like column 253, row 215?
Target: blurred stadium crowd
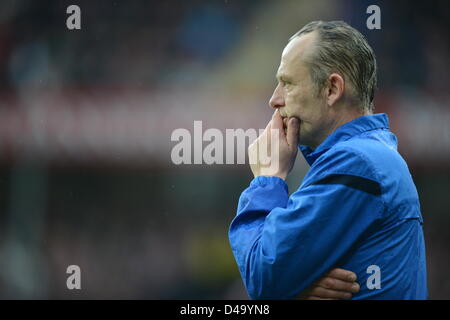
column 86, row 118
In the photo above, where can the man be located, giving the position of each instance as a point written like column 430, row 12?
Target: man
column 357, row 208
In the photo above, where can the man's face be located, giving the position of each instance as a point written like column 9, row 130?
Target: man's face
column 296, row 95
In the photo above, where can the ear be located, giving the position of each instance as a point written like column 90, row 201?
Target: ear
column 335, row 89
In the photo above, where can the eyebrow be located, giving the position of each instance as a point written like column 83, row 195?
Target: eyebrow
column 283, row 77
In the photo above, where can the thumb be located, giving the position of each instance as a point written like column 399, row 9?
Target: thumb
column 293, row 127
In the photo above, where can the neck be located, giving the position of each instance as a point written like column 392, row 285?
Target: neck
column 345, row 117
column 340, row 118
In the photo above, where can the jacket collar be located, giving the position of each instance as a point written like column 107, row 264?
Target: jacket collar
column 345, row 132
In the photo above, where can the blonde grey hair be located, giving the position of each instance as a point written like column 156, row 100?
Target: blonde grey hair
column 342, row 49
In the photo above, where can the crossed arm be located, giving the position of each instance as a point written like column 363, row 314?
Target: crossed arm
column 334, row 285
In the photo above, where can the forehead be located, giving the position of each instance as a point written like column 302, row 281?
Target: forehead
column 295, row 52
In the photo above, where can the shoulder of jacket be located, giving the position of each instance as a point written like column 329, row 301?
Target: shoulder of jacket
column 346, row 158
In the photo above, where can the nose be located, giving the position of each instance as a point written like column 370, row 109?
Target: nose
column 277, row 99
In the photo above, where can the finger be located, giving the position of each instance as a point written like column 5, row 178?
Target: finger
column 342, row 274
column 317, row 298
column 264, row 141
column 285, row 122
column 268, row 125
column 292, row 132
column 277, row 122
column 266, row 129
column 328, row 293
column 268, row 132
column 336, row 284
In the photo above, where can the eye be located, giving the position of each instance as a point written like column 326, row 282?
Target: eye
column 284, row 82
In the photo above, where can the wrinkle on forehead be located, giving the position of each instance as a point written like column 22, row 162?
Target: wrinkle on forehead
column 298, row 49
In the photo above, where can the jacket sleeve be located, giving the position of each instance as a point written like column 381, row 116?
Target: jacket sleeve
column 283, row 244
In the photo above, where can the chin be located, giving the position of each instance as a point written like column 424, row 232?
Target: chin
column 304, row 140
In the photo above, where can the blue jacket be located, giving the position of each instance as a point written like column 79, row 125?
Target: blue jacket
column 357, row 209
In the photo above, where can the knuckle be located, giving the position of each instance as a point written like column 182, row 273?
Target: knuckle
column 328, row 283
column 328, row 294
column 314, row 291
column 345, row 295
column 349, row 287
column 324, row 293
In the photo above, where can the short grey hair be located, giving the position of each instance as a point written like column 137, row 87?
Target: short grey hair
column 342, row 49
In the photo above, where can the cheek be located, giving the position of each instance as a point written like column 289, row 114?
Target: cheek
column 304, row 108
column 295, row 102
column 301, row 103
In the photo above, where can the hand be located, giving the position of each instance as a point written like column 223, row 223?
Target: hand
column 274, row 152
column 336, row 285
